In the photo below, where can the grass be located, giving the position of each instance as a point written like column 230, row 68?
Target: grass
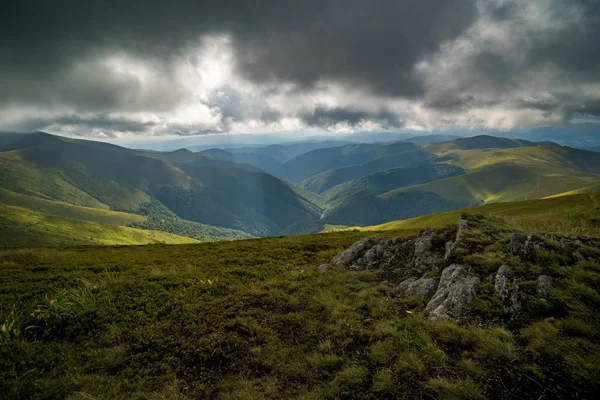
column 65, row 210
column 573, row 213
column 503, row 182
column 490, row 176
column 254, row 319
column 23, row 227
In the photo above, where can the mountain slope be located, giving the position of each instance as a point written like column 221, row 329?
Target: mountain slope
column 66, row 210
column 316, row 161
column 482, row 142
column 339, row 165
column 197, row 187
column 261, row 161
column 285, row 152
column 391, row 179
column 511, row 174
column 323, row 181
column 570, row 213
column 23, row 227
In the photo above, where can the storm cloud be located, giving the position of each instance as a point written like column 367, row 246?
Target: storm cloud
column 186, row 67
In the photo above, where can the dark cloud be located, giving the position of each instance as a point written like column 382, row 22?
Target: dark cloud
column 539, row 57
column 82, row 126
column 542, row 58
column 327, row 117
column 370, row 44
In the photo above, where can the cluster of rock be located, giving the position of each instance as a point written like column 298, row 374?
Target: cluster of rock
column 426, row 266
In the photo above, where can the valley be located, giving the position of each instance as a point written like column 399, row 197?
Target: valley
column 244, row 192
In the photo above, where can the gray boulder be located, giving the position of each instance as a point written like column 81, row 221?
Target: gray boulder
column 463, row 226
column 455, row 292
column 518, row 244
column 383, row 254
column 423, row 244
column 571, row 248
column 377, row 252
column 544, row 285
column 425, row 287
column 526, row 246
column 506, row 286
column 355, row 252
column 425, row 256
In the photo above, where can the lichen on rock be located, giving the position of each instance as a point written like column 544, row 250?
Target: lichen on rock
column 455, row 292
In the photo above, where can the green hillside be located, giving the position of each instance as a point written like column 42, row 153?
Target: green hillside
column 258, row 160
column 349, row 162
column 391, row 179
column 65, row 210
column 323, row 181
column 490, row 175
column 196, row 187
column 577, row 213
column 321, row 160
column 211, row 196
column 156, row 218
column 287, row 151
column 482, row 142
column 22, row 227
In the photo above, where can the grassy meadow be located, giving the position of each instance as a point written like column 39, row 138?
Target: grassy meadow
column 24, row 227
column 254, row 319
column 572, row 213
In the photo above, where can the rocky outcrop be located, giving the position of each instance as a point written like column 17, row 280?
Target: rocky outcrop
column 507, row 287
column 463, row 225
column 424, row 242
column 412, row 262
column 527, row 246
column 376, row 252
column 544, row 285
column 572, row 248
column 424, row 287
column 350, row 257
column 427, row 253
column 518, row 244
column 455, row 292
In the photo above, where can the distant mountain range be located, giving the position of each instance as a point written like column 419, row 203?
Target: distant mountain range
column 579, row 135
column 217, row 194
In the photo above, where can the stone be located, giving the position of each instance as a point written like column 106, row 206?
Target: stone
column 571, row 248
column 324, row 267
column 518, row 244
column 544, row 285
column 376, row 252
column 462, row 226
column 456, row 290
column 534, row 243
column 526, row 246
column 425, row 256
column 350, row 256
column 503, row 277
column 506, row 286
column 425, row 287
column 423, row 244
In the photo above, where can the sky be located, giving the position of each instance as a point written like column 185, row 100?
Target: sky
column 108, row 69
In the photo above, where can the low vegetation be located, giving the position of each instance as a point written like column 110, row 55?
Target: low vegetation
column 160, row 218
column 255, row 319
column 579, row 214
column 23, row 227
